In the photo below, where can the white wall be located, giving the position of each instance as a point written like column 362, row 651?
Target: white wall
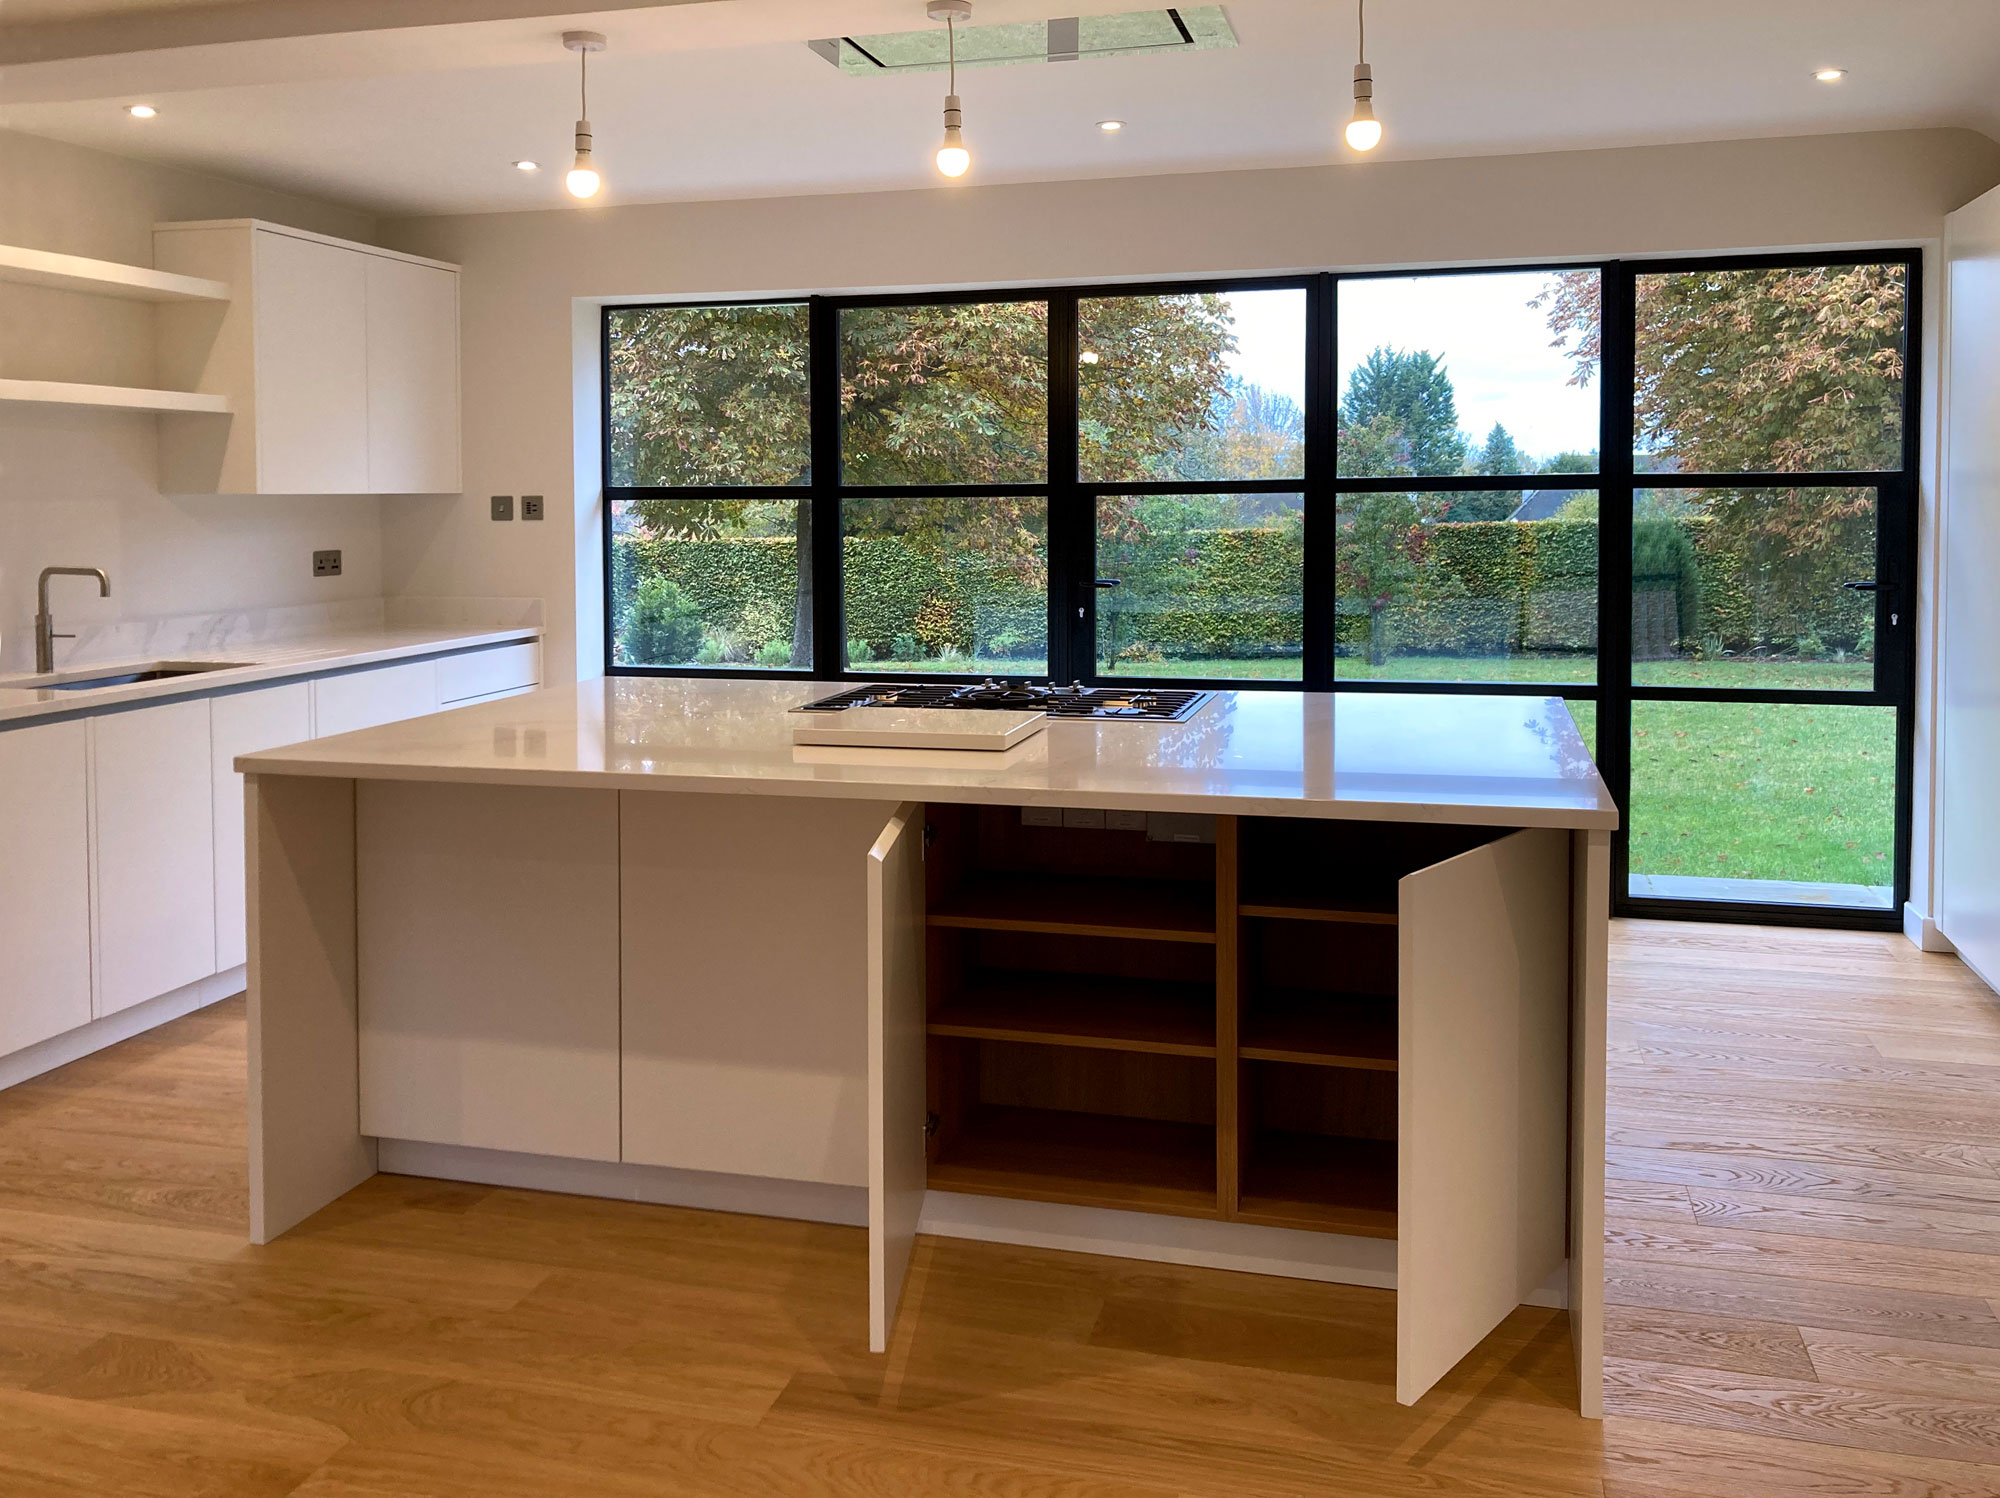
column 79, row 487
column 532, row 281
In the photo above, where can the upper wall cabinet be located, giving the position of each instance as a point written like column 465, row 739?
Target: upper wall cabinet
column 340, row 362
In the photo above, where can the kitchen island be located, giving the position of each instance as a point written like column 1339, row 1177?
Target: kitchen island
column 1308, row 984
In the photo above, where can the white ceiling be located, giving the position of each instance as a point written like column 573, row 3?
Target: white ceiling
column 720, row 98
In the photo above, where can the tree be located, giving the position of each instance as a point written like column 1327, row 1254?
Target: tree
column 1398, row 416
column 1500, row 456
column 1377, row 558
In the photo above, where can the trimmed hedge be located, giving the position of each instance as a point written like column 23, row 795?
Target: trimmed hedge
column 1485, row 587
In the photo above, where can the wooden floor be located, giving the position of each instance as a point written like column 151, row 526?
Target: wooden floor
column 1805, row 1253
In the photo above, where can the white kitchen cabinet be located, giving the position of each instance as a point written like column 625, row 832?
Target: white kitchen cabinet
column 494, row 671
column 154, row 851
column 243, row 723
column 368, row 699
column 339, row 360
column 897, row 1131
column 464, row 1040
column 44, row 883
column 412, row 377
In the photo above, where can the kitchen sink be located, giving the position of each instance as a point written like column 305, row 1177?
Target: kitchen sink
column 150, row 671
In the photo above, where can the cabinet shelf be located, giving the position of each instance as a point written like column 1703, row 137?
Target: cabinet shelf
column 1144, row 910
column 1311, row 1028
column 1118, row 1014
column 1320, row 1182
column 105, row 277
column 1086, row 1159
column 1272, row 906
column 110, row 397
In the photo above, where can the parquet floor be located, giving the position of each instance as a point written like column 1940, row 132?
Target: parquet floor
column 1805, row 1252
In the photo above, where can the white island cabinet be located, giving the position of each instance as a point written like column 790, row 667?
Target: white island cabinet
column 243, row 723
column 1313, row 985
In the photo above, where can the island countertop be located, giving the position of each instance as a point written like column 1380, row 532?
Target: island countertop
column 1485, row 760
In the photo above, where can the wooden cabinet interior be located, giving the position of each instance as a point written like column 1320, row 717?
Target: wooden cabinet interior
column 1203, row 1029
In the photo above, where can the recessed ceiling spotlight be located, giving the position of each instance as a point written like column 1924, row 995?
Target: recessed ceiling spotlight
column 1111, row 127
column 527, row 166
column 141, row 111
column 1830, row 75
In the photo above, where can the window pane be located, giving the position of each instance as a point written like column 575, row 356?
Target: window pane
column 1208, row 585
column 1742, row 588
column 1788, row 803
column 698, row 582
column 1195, row 388
column 1485, row 373
column 953, row 394
column 1420, row 596
column 1773, row 371
column 950, row 585
column 708, row 396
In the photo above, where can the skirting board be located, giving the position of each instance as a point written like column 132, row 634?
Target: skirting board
column 1922, row 930
column 73, row 1045
column 1244, row 1247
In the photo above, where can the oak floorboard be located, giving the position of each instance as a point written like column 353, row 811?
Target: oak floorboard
column 1660, row 1459
column 1904, row 1366
column 1917, row 1267
column 1731, row 1344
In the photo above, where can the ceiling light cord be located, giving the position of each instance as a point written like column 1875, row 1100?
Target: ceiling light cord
column 1364, row 131
column 952, row 158
column 1361, row 30
column 583, row 180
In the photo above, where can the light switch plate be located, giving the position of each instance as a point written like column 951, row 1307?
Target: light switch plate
column 503, row 507
column 531, row 507
column 326, row 564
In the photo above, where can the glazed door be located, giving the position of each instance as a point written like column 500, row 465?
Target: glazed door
column 896, row 1167
column 1483, row 1024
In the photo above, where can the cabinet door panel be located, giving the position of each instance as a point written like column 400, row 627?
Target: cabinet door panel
column 244, row 723
column 896, row 1155
column 44, row 884
column 368, row 699
column 311, row 367
column 412, row 378
column 155, row 839
column 487, row 933
column 1483, row 1016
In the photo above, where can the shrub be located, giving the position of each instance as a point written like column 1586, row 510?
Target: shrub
column 773, row 653
column 906, row 648
column 662, row 625
column 859, row 652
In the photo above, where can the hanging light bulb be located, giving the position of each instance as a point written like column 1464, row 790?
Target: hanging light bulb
column 952, row 157
column 1364, row 131
column 583, row 180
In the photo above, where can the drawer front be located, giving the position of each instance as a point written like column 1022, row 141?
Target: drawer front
column 368, row 699
column 481, row 673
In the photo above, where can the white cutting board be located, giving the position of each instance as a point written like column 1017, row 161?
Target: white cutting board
column 918, row 728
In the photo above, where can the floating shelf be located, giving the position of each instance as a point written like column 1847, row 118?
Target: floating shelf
column 1312, row 1028
column 105, row 277
column 1310, row 908
column 1321, row 1183
column 1143, row 910
column 110, row 397
column 1113, row 1014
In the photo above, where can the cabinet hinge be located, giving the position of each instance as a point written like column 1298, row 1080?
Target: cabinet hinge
column 931, row 1122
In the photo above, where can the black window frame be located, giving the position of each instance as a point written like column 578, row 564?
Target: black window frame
column 1072, row 523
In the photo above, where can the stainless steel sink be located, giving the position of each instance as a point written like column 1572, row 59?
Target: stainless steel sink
column 146, row 671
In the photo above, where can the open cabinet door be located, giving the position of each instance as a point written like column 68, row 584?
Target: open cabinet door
column 896, row 1163
column 1483, row 1019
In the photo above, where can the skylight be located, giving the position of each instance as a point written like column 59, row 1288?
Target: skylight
column 1134, row 33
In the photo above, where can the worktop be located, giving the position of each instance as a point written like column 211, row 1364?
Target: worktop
column 252, row 663
column 1512, row 761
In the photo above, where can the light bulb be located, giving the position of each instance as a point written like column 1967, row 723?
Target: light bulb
column 141, row 111
column 1364, row 131
column 583, row 180
column 952, row 157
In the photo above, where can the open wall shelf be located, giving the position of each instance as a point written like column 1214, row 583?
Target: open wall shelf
column 110, row 397
column 105, row 277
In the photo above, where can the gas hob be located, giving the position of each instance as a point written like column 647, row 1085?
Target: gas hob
column 1128, row 704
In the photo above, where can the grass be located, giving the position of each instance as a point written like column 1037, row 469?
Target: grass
column 1735, row 790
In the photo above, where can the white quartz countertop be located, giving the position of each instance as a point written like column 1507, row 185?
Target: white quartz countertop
column 275, row 660
column 1488, row 760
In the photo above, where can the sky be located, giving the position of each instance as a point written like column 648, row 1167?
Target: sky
column 1494, row 346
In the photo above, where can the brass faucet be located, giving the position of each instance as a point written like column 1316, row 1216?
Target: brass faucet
column 45, row 623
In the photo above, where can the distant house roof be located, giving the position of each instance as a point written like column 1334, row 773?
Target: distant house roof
column 1542, row 504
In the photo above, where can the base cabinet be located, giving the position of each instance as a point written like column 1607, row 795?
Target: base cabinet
column 368, row 699
column 44, row 883
column 1345, row 1027
column 244, row 723
column 152, row 774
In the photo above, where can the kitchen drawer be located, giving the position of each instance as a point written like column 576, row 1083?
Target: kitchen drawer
column 482, row 673
column 368, row 699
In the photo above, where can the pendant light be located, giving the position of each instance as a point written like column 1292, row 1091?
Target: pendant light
column 952, row 157
column 1364, row 131
column 583, row 180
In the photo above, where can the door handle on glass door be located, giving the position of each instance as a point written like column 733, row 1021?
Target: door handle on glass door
column 1865, row 585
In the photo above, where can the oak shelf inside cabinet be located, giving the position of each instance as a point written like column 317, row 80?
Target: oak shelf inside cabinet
column 1311, row 1028
column 1131, row 909
column 1117, row 1014
column 1087, row 1159
column 1271, row 906
column 1322, row 1183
